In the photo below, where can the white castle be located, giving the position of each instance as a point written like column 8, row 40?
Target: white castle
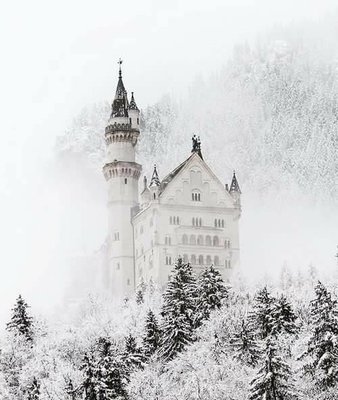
column 188, row 214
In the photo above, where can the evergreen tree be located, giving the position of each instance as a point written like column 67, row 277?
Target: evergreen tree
column 274, row 380
column 261, row 316
column 139, row 297
column 211, row 293
column 21, row 323
column 245, row 345
column 34, row 390
column 178, row 311
column 90, row 381
column 283, row 319
column 152, row 335
column 323, row 344
column 70, row 391
column 133, row 356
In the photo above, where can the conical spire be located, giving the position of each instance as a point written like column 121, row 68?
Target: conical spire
column 155, row 180
column 234, row 187
column 120, row 103
column 132, row 104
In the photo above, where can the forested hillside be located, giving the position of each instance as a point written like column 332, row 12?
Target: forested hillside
column 271, row 113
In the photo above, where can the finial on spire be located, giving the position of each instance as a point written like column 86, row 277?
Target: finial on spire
column 196, row 145
column 120, row 61
column 155, row 180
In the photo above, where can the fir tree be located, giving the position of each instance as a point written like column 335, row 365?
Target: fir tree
column 323, row 344
column 211, row 293
column 34, row 390
column 90, row 381
column 261, row 316
column 274, row 380
column 178, row 311
column 21, row 323
column 283, row 319
column 133, row 356
column 245, row 345
column 152, row 335
column 139, row 297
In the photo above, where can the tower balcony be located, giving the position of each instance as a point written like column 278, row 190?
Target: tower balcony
column 118, row 169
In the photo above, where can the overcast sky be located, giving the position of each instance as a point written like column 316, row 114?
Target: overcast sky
column 58, row 56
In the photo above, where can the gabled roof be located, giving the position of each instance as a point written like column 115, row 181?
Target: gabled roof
column 166, row 180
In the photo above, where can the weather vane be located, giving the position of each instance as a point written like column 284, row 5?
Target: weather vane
column 120, row 61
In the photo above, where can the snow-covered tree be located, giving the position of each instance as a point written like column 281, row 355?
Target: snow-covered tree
column 21, row 322
column 274, row 380
column 133, row 356
column 323, row 343
column 33, row 391
column 261, row 316
column 151, row 339
column 283, row 318
column 179, row 306
column 211, row 293
column 245, row 345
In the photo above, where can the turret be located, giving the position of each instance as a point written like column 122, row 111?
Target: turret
column 154, row 184
column 133, row 113
column 235, row 190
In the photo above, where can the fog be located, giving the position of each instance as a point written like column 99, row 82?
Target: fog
column 58, row 57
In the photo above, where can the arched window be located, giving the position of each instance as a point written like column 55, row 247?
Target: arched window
column 209, row 260
column 193, row 222
column 196, row 195
column 185, row 239
column 200, row 222
column 200, row 240
column 192, row 239
column 216, row 260
column 208, row 240
column 171, row 220
column 215, row 241
column 177, row 220
column 222, row 223
column 185, row 258
column 193, row 259
column 215, row 223
column 200, row 260
column 168, row 260
column 174, row 220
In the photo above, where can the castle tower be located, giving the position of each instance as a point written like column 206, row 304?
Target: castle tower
column 122, row 173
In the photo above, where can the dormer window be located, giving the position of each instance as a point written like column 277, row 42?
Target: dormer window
column 196, row 195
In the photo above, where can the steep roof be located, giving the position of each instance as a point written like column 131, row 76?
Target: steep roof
column 132, row 104
column 120, row 103
column 234, row 187
column 167, row 179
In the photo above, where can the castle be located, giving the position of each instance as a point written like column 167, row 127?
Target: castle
column 189, row 213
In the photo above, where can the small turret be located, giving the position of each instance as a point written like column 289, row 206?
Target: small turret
column 145, row 194
column 133, row 113
column 235, row 190
column 154, row 184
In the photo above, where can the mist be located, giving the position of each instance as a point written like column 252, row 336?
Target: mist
column 59, row 58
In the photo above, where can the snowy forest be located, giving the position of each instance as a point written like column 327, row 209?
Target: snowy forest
column 270, row 113
column 199, row 339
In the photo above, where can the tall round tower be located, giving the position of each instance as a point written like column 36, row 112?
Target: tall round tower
column 122, row 174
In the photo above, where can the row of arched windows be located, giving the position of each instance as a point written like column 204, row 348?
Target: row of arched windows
column 219, row 223
column 203, row 241
column 196, row 196
column 174, row 220
column 197, row 221
column 201, row 260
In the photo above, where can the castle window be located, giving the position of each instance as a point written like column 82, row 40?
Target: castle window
column 167, row 240
column 130, row 121
column 193, row 259
column 227, row 244
column 200, row 240
column 222, row 223
column 116, row 236
column 197, row 222
column 208, row 240
column 200, row 222
column 216, row 260
column 118, row 266
column 151, row 223
column 215, row 223
column 174, row 220
column 196, row 196
column 141, row 229
column 208, row 260
column 215, row 241
column 185, row 239
column 128, row 282
column 171, row 220
column 138, row 120
column 200, row 260
column 168, row 260
column 125, row 181
column 192, row 239
column 185, row 258
column 154, row 196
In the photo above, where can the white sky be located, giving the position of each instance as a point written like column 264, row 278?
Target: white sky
column 58, row 56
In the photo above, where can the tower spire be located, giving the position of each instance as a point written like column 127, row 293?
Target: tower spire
column 120, row 61
column 120, row 103
column 155, row 180
column 234, row 187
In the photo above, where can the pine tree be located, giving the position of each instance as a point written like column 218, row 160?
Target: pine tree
column 139, row 297
column 245, row 345
column 261, row 316
column 178, row 311
column 211, row 293
column 90, row 381
column 133, row 356
column 323, row 344
column 21, row 323
column 34, row 390
column 283, row 319
column 152, row 335
column 274, row 379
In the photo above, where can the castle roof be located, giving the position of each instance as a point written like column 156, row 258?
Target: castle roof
column 234, row 187
column 132, row 104
column 120, row 103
